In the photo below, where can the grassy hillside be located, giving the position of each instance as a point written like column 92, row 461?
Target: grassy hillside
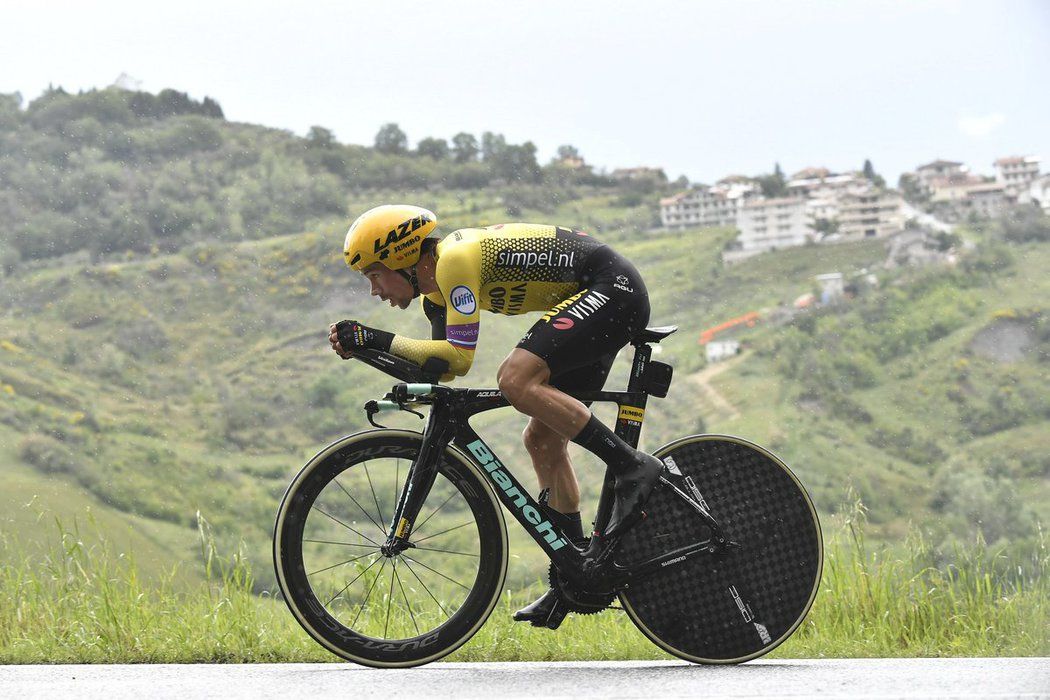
column 180, row 365
column 201, row 380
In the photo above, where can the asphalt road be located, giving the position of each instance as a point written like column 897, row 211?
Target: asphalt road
column 845, row 678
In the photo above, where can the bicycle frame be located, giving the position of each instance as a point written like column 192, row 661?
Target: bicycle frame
column 448, row 423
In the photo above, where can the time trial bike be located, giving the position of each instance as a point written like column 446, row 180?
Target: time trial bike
column 390, row 546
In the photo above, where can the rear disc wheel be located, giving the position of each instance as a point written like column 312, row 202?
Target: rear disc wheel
column 737, row 606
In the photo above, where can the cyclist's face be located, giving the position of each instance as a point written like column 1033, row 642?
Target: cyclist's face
column 389, row 285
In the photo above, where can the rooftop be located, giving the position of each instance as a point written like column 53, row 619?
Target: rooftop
column 1016, row 160
column 938, row 164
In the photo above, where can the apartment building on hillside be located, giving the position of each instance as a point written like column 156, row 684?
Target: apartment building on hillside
column 706, row 206
column 772, row 224
column 1016, row 173
column 938, row 169
column 871, row 214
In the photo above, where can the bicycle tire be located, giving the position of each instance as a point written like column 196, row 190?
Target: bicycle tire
column 320, row 517
column 724, row 609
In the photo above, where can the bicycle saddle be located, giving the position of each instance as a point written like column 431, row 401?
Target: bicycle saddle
column 654, row 334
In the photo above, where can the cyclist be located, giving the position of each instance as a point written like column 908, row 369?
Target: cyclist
column 594, row 302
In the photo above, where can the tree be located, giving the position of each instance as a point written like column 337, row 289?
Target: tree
column 911, row 189
column 826, row 226
column 871, row 176
column 464, row 148
column 391, row 139
column 320, row 137
column 211, row 108
column 492, row 145
column 434, row 148
column 10, row 110
column 517, row 162
column 774, row 185
column 567, row 152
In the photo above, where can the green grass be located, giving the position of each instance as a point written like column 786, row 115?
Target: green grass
column 89, row 603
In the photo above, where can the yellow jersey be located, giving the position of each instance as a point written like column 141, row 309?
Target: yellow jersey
column 507, row 269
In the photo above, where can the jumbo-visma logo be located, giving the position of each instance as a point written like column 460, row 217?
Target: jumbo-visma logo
column 463, row 300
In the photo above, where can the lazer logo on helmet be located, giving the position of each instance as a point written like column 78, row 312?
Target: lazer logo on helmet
column 495, row 471
column 403, row 230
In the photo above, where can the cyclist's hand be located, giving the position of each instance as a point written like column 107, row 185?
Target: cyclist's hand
column 351, row 335
column 333, row 338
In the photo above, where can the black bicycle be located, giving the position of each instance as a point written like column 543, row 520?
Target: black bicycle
column 390, row 546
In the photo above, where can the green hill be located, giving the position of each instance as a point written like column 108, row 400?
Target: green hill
column 172, row 375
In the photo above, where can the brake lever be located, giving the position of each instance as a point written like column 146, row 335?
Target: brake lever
column 372, row 408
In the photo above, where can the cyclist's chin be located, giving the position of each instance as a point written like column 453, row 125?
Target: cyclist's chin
column 402, row 304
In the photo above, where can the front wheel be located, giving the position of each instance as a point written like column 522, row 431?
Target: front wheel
column 739, row 605
column 378, row 610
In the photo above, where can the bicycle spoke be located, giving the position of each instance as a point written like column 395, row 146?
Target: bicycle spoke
column 407, row 604
column 446, row 551
column 368, row 595
column 430, row 537
column 344, row 544
column 367, row 554
column 350, row 583
column 315, row 507
column 397, row 480
column 420, row 526
column 374, row 498
column 427, row 589
column 389, row 597
column 467, row 588
column 367, row 515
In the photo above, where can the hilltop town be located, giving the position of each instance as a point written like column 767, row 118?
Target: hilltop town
column 816, row 205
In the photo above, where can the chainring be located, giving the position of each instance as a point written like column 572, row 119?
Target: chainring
column 577, row 600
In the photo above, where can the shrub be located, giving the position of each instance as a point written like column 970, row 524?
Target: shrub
column 49, row 455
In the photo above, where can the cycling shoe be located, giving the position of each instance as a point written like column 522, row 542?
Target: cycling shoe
column 631, row 490
column 546, row 611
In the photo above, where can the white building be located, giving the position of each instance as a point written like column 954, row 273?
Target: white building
column 952, row 188
column 1016, row 173
column 718, row 350
column 1038, row 192
column 821, row 183
column 772, row 224
column 988, row 199
column 938, row 169
column 832, row 287
column 871, row 214
column 706, row 206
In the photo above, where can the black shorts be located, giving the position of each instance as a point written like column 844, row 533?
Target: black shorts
column 580, row 336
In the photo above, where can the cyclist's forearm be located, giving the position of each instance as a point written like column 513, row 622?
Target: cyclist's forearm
column 459, row 359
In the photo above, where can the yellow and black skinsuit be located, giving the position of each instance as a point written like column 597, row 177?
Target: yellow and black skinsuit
column 594, row 299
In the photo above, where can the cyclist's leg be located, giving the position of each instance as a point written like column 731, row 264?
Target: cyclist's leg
column 548, row 449
column 550, row 459
column 596, row 321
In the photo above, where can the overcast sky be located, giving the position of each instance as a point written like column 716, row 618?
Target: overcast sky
column 700, row 88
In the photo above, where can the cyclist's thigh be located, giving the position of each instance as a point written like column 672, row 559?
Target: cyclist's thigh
column 587, row 378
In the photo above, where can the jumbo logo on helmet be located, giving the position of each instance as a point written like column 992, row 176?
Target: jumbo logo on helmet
column 403, row 230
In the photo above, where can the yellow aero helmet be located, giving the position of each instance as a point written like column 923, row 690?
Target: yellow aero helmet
column 391, row 234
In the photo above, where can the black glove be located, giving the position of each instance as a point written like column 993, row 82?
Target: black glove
column 355, row 335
